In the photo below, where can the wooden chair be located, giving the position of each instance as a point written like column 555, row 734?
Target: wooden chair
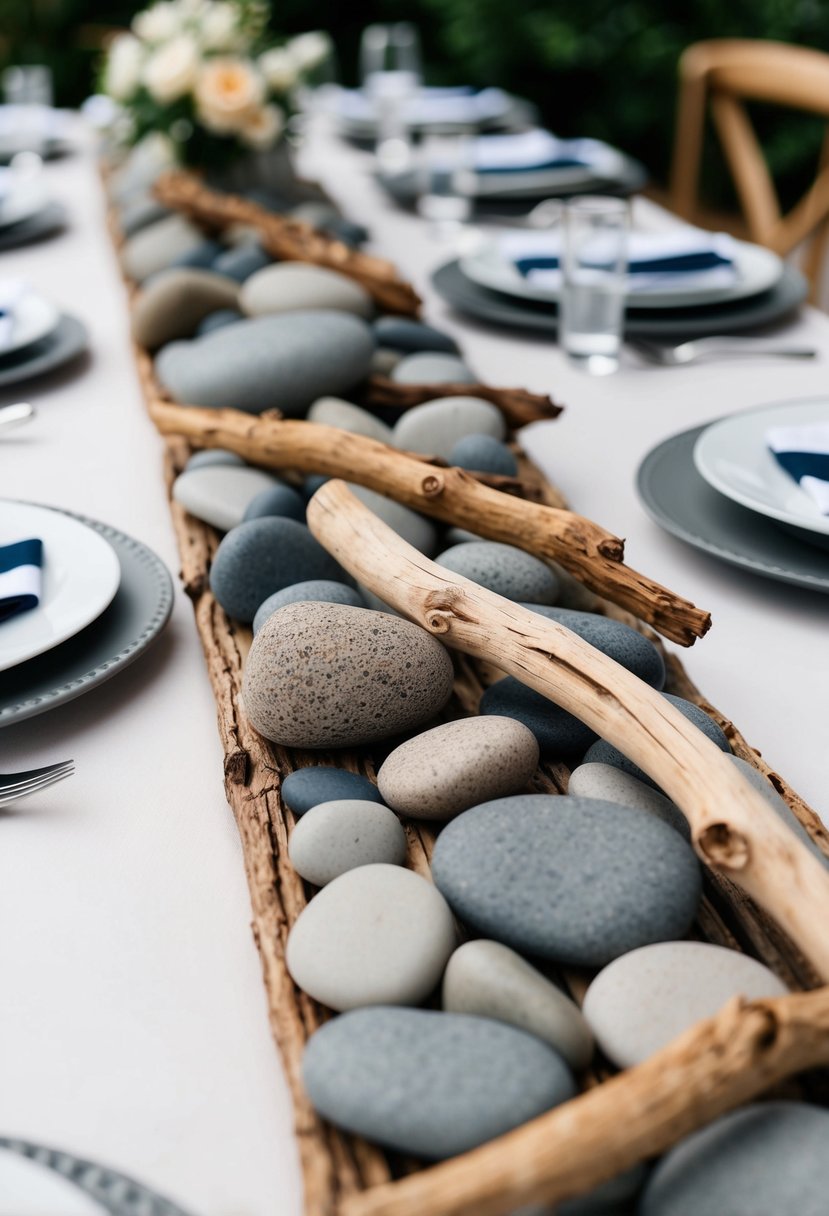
column 723, row 74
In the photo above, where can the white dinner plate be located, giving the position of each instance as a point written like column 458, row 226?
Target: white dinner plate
column 733, row 458
column 758, row 270
column 21, row 196
column 33, row 318
column 81, row 573
column 27, row 1189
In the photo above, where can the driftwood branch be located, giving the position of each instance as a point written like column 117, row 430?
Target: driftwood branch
column 733, row 829
column 288, row 239
column 716, row 1065
column 518, row 405
column 452, row 495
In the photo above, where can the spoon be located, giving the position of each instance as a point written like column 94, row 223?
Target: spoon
column 21, row 411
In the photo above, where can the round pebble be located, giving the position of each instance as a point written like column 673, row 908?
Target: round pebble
column 611, row 784
column 768, row 1159
column 377, row 935
column 484, row 454
column 622, row 643
column 430, row 1084
column 434, row 427
column 441, row 772
column 335, row 837
column 155, row 247
column 219, row 494
column 488, row 979
column 401, row 333
column 174, row 303
column 242, row 261
column 279, row 499
column 644, row 999
column 559, row 734
column 288, row 286
column 318, row 590
column 503, row 569
column 201, row 460
column 418, row 531
column 262, row 556
column 308, row 787
column 218, row 320
column 569, row 879
column 328, row 675
column 431, row 367
column 332, row 411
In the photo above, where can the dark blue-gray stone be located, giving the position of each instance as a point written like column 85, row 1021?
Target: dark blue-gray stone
column 778, row 804
column 559, row 734
column 308, row 787
column 313, row 482
column 262, row 556
column 218, row 320
column 605, row 753
column 318, row 590
column 627, row 646
column 400, row 333
column 285, row 362
column 484, row 454
column 200, row 460
column 612, row 1198
column 281, row 499
column 503, row 569
column 242, row 261
column 140, row 212
column 200, row 257
column 768, row 1159
column 566, row 878
column 427, row 1083
column 346, row 231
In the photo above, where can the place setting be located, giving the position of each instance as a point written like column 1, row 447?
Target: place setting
column 28, row 212
column 35, row 336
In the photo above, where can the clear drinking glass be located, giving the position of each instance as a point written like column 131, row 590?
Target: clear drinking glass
column 391, row 75
column 28, row 87
column 446, row 181
column 594, row 266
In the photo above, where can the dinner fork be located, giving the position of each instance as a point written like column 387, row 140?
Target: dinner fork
column 704, row 348
column 20, row 785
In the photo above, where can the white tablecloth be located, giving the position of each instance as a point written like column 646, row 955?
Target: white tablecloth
column 132, row 1020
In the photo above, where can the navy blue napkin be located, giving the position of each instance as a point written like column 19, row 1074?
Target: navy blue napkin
column 20, row 577
column 803, row 451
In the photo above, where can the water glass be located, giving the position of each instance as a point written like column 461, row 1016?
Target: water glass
column 446, row 179
column 594, row 267
column 28, row 88
column 391, row 75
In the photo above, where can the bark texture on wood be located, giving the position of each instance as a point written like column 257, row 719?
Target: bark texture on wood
column 518, row 405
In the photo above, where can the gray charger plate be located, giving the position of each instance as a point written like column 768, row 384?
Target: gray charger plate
column 682, row 502
column 37, row 227
column 67, row 342
column 507, row 312
column 135, row 618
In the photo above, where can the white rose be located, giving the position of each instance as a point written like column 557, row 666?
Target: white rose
column 229, row 93
column 219, row 27
column 157, row 24
column 309, row 50
column 280, row 69
column 123, row 69
column 172, row 70
column 263, row 128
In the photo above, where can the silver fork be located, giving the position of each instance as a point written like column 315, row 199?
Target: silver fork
column 20, row 785
column 705, row 348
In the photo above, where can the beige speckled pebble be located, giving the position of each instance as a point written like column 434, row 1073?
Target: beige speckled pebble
column 333, row 411
column 488, row 979
column 456, row 765
column 334, row 837
column 174, row 302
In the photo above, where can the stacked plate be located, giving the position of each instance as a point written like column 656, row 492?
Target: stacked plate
column 35, row 337
column 448, row 111
column 105, row 598
column 759, row 289
column 27, row 213
column 41, row 129
column 720, row 489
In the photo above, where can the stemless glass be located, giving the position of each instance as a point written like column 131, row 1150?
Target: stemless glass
column 391, row 76
column 446, row 182
column 28, row 87
column 594, row 266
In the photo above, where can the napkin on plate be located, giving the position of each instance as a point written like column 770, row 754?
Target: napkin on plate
column 656, row 260
column 460, row 106
column 531, row 151
column 11, row 291
column 20, row 577
column 803, row 451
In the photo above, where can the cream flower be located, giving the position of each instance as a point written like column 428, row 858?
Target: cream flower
column 219, row 27
column 172, row 70
column 309, row 50
column 159, row 23
column 229, row 93
column 263, row 129
column 123, row 69
column 280, row 69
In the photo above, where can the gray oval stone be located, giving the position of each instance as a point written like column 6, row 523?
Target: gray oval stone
column 614, row 638
column 431, row 367
column 768, row 1158
column 154, row 248
column 141, row 210
column 559, row 734
column 427, row 1083
column 377, row 935
column 328, row 675
column 262, row 556
column 434, row 427
column 401, row 333
column 484, row 454
column 201, row 257
column 335, row 837
column 416, row 529
column 319, row 590
column 174, row 303
column 219, row 494
column 488, row 979
column 643, row 1000
column 201, row 460
column 308, row 787
column 503, row 569
column 279, row 499
column 218, row 320
column 282, row 362
column 569, row 879
column 441, row 772
column 289, row 286
column 240, row 262
column 332, row 411
column 596, row 780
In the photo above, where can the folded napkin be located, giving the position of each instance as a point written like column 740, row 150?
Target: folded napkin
column 11, row 292
column 803, row 451
column 656, row 260
column 431, row 106
column 20, row 577
column 530, row 151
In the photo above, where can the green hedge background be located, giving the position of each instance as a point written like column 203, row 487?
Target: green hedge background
column 606, row 68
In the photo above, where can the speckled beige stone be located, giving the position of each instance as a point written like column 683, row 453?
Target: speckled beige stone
column 173, row 304
column 456, row 765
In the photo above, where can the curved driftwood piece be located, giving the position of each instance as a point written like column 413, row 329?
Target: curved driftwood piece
column 716, row 1065
column 289, row 239
column 452, row 495
column 518, row 405
column 733, row 829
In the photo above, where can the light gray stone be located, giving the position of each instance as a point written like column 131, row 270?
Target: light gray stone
column 503, row 569
column 416, row 529
column 173, row 304
column 432, row 367
column 335, row 837
column 200, row 460
column 611, row 784
column 484, row 454
column 377, row 935
column 434, row 427
column 333, row 411
column 290, row 286
column 155, row 247
column 218, row 494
